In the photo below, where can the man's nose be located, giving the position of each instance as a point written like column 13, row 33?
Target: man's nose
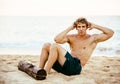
column 80, row 28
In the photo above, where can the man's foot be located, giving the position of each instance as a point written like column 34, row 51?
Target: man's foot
column 41, row 74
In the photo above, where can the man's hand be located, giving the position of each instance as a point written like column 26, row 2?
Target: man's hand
column 72, row 27
column 90, row 26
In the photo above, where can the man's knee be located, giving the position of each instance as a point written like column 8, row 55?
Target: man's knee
column 46, row 46
column 55, row 45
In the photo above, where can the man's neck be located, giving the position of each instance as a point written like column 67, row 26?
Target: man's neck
column 82, row 36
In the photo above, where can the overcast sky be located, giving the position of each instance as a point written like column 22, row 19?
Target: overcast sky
column 59, row 7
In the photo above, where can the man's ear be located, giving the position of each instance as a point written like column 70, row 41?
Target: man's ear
column 76, row 28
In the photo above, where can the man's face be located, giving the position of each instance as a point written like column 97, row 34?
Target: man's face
column 81, row 28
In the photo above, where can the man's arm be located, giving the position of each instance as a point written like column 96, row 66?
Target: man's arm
column 62, row 37
column 107, row 33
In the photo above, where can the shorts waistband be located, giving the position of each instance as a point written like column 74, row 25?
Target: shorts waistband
column 78, row 60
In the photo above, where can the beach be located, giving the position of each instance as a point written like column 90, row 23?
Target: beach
column 22, row 38
column 98, row 70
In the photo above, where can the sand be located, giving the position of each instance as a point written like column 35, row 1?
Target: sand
column 98, row 70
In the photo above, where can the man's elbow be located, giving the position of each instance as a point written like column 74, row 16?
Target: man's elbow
column 59, row 41
column 56, row 40
column 111, row 33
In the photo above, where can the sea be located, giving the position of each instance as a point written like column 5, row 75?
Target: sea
column 25, row 35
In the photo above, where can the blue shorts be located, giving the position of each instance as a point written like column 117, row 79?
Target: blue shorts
column 71, row 66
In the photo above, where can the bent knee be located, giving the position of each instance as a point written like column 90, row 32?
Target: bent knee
column 55, row 45
column 46, row 45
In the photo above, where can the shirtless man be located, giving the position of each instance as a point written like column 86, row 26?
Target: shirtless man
column 81, row 46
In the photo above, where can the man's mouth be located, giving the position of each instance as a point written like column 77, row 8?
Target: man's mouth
column 80, row 31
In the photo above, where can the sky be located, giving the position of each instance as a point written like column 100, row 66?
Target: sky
column 59, row 7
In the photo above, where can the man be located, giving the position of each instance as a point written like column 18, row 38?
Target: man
column 81, row 45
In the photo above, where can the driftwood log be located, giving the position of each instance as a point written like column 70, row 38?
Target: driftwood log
column 32, row 70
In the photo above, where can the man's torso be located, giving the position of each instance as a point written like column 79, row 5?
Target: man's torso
column 82, row 48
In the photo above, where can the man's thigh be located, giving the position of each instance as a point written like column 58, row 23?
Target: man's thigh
column 61, row 52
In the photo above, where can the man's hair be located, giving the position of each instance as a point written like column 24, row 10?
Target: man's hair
column 81, row 20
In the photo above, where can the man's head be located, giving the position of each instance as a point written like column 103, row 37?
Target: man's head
column 81, row 20
column 81, row 24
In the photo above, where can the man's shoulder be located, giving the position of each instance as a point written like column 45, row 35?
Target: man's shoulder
column 94, row 37
column 71, row 37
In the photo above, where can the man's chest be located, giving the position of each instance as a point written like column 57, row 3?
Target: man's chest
column 81, row 42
